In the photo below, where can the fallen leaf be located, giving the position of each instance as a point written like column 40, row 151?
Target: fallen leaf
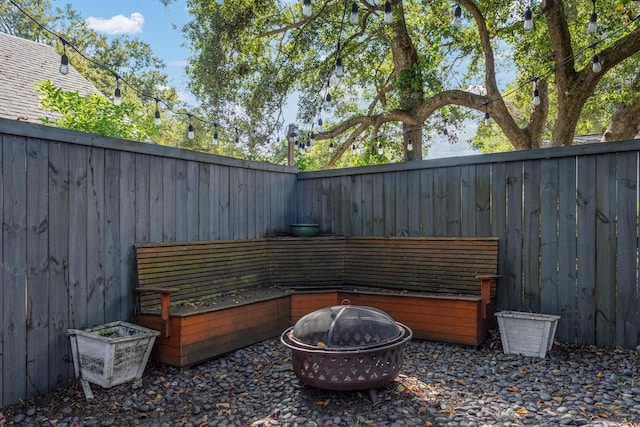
column 401, row 388
column 522, row 411
column 223, row 405
column 323, row 402
column 321, row 344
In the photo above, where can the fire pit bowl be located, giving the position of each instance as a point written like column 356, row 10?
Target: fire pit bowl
column 347, row 347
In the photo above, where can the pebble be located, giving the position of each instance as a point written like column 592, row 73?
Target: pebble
column 439, row 385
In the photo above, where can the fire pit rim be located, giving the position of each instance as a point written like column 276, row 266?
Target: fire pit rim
column 295, row 344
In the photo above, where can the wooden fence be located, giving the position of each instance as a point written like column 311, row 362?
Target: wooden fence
column 72, row 205
column 567, row 219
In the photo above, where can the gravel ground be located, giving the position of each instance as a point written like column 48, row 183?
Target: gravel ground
column 440, row 385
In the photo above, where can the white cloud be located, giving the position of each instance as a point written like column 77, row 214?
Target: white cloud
column 118, row 24
column 180, row 63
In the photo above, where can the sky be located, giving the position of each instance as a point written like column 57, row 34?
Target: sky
column 161, row 27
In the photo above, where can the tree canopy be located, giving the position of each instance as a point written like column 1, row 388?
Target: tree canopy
column 410, row 72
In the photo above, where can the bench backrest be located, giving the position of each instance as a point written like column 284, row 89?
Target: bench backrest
column 201, row 269
column 211, row 268
column 425, row 264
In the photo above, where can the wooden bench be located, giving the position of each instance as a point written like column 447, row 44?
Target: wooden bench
column 210, row 298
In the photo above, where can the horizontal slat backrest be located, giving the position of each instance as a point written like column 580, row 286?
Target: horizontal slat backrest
column 436, row 265
column 308, row 262
column 201, row 269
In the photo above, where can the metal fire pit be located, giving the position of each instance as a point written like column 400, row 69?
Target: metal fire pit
column 347, row 347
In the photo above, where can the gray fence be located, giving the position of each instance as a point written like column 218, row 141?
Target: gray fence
column 567, row 219
column 72, row 205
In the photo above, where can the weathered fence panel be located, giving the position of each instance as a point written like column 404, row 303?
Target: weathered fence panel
column 567, row 219
column 72, row 205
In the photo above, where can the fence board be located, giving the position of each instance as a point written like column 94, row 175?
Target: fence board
column 567, row 251
column 155, row 218
column 224, row 202
column 549, row 221
column 37, row 267
column 414, row 212
column 127, row 230
column 514, row 235
column 453, row 201
column 113, row 278
column 400, row 202
column 605, row 290
column 14, row 238
column 94, row 238
column 627, row 299
column 356, row 206
column 59, row 369
column 483, row 201
column 586, row 235
column 377, row 202
column 5, row 139
column 531, row 236
column 467, row 202
column 367, row 205
column 499, row 226
column 440, row 202
column 427, row 210
column 78, row 220
column 168, row 200
column 143, row 199
column 184, row 203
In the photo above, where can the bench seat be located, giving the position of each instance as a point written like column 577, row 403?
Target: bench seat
column 209, row 298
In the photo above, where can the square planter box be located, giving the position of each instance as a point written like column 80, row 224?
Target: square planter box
column 111, row 354
column 528, row 334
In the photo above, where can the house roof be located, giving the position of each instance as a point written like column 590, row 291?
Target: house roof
column 25, row 63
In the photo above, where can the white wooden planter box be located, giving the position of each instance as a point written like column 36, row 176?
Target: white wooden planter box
column 528, row 334
column 111, row 354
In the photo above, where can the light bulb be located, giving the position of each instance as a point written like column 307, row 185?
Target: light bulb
column 327, row 102
column 410, row 146
column 528, row 20
column 331, row 147
column 64, row 64
column 312, row 138
column 353, row 149
column 339, row 67
column 593, row 24
column 320, row 123
column 457, row 16
column 388, row 17
column 156, row 120
column 445, row 132
column 354, row 18
column 191, row 134
column 117, row 96
column 215, row 138
column 306, row 8
column 380, row 149
column 536, row 97
column 596, row 67
column 487, row 119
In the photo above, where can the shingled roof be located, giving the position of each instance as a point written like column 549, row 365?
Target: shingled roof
column 23, row 64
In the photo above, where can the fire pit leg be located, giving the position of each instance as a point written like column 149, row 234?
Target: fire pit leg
column 373, row 396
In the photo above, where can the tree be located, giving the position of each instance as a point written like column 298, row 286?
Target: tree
column 405, row 77
column 96, row 114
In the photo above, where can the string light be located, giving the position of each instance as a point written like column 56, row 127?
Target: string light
column 307, row 10
column 215, row 134
column 190, row 133
column 331, row 146
column 117, row 96
column 388, row 17
column 597, row 66
column 312, row 138
column 457, row 16
column 528, row 19
column 536, row 92
column 445, row 131
column 156, row 120
column 380, row 149
column 237, row 140
column 354, row 18
column 487, row 117
column 339, row 67
column 64, row 59
column 327, row 103
column 592, row 28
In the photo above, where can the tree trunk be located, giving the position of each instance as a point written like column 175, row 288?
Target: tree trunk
column 625, row 123
column 412, row 134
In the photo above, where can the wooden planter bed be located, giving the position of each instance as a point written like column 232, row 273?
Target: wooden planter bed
column 209, row 298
